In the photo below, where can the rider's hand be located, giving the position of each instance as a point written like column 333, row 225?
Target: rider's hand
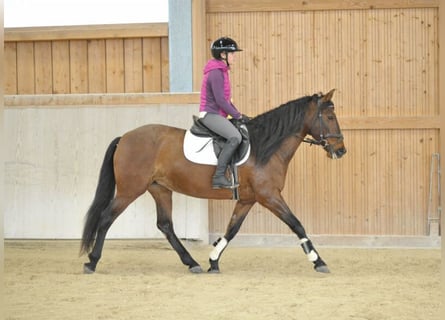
column 244, row 119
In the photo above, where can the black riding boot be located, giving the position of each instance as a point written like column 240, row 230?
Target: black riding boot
column 219, row 179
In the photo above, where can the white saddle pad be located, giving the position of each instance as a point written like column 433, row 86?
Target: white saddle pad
column 200, row 150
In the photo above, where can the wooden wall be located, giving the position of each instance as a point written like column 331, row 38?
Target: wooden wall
column 87, row 59
column 382, row 57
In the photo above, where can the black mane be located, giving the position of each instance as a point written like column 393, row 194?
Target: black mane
column 268, row 130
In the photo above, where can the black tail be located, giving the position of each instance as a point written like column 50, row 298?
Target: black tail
column 104, row 194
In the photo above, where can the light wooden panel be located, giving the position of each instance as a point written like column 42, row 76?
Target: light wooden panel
column 25, row 68
column 133, row 65
column 311, row 5
column 43, row 67
column 107, row 31
column 152, row 70
column 10, row 67
column 165, row 68
column 78, row 66
column 114, row 58
column 379, row 188
column 97, row 66
column 61, row 67
column 381, row 63
column 384, row 66
column 441, row 224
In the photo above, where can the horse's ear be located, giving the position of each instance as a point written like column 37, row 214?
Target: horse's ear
column 328, row 96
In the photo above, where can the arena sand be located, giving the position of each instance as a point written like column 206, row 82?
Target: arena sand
column 144, row 279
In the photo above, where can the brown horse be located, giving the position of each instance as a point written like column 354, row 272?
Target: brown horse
column 150, row 158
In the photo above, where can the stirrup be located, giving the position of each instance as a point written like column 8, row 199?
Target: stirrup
column 223, row 183
column 220, row 186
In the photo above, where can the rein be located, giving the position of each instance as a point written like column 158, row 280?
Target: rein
column 313, row 141
column 323, row 139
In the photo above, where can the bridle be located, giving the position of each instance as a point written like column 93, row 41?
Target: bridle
column 323, row 140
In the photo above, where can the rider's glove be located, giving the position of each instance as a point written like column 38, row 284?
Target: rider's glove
column 244, row 119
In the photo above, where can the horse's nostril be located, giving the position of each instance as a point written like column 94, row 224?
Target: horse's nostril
column 340, row 152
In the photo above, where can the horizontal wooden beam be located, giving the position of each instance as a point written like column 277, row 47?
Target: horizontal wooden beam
column 403, row 122
column 136, row 30
column 99, row 100
column 131, row 99
column 215, row 6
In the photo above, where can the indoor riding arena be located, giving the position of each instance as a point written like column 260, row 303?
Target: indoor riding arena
column 374, row 215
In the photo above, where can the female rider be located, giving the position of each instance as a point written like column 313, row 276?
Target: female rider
column 216, row 105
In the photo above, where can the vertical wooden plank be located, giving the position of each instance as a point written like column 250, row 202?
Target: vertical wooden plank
column 10, row 65
column 43, row 67
column 441, row 110
column 115, row 65
column 78, row 66
column 281, row 22
column 165, row 68
column 375, row 63
column 392, row 60
column 370, row 183
column 352, row 193
column 431, row 59
column 26, row 68
column 357, row 106
column 151, row 62
column 133, row 65
column 419, row 60
column 97, row 79
column 61, row 67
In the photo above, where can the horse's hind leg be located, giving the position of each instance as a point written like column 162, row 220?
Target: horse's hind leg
column 239, row 214
column 163, row 199
column 108, row 216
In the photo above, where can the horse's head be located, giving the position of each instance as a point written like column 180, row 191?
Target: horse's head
column 324, row 127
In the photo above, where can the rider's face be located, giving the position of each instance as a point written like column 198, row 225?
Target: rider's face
column 230, row 57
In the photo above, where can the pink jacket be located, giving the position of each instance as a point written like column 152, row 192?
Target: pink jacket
column 216, row 91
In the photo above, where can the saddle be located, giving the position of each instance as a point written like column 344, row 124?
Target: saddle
column 200, row 130
column 203, row 146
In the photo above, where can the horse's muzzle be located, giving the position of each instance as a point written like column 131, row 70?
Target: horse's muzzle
column 340, row 152
column 335, row 154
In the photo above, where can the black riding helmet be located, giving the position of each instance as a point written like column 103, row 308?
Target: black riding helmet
column 223, row 44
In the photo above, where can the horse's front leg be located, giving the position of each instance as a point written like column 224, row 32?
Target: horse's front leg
column 239, row 214
column 278, row 206
column 163, row 199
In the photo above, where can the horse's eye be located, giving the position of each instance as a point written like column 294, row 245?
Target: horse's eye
column 331, row 117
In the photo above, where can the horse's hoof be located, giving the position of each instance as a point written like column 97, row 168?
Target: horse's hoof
column 213, row 270
column 322, row 269
column 87, row 269
column 195, row 269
